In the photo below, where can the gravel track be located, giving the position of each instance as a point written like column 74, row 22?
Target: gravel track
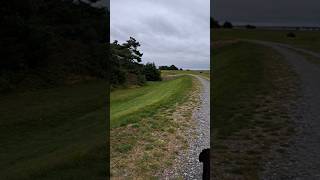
column 302, row 159
column 192, row 167
column 187, row 163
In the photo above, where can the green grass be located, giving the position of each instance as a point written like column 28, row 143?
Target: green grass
column 142, row 125
column 238, row 78
column 203, row 73
column 130, row 105
column 57, row 133
column 251, row 84
column 304, row 39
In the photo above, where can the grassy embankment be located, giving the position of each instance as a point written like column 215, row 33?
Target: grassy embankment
column 57, row 133
column 252, row 90
column 145, row 131
column 304, row 39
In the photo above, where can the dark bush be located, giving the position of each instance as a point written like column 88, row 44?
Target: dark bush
column 227, row 25
column 151, row 72
column 214, row 23
column 250, row 26
column 291, row 35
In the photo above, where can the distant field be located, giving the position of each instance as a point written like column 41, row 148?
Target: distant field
column 204, row 73
column 248, row 118
column 142, row 126
column 304, row 39
column 57, row 133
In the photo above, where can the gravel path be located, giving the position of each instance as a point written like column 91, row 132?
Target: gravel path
column 187, row 163
column 302, row 159
column 192, row 167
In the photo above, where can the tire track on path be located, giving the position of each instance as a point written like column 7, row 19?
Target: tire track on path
column 302, row 160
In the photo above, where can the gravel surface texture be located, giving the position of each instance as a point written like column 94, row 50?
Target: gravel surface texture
column 302, row 159
column 192, row 167
column 187, row 165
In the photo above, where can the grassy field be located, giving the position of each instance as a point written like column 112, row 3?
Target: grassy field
column 130, row 105
column 251, row 87
column 57, row 133
column 304, row 39
column 143, row 126
column 203, row 73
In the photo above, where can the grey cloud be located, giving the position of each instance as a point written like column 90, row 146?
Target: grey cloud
column 170, row 31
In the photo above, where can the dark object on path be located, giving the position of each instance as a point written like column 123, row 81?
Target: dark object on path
column 204, row 157
column 291, row 35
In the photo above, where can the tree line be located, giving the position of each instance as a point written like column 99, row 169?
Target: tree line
column 126, row 66
column 47, row 43
column 50, row 43
column 172, row 67
column 227, row 25
column 215, row 24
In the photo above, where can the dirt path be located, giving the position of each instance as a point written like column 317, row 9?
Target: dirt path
column 302, row 159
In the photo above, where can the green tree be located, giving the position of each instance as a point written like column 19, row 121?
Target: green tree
column 125, row 61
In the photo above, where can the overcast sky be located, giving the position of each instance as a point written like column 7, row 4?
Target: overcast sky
column 268, row 12
column 170, row 31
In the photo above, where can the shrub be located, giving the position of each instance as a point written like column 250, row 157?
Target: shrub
column 291, row 35
column 250, row 26
column 214, row 23
column 227, row 24
column 151, row 72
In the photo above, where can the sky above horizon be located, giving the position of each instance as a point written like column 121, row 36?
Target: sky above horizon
column 268, row 12
column 169, row 31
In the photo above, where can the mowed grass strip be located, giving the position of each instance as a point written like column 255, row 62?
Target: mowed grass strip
column 304, row 39
column 57, row 133
column 146, row 140
column 130, row 105
column 253, row 88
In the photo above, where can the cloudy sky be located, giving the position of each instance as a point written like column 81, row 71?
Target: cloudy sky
column 268, row 12
column 170, row 31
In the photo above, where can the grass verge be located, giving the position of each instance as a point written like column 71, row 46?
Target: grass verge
column 56, row 133
column 304, row 39
column 253, row 90
column 145, row 146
